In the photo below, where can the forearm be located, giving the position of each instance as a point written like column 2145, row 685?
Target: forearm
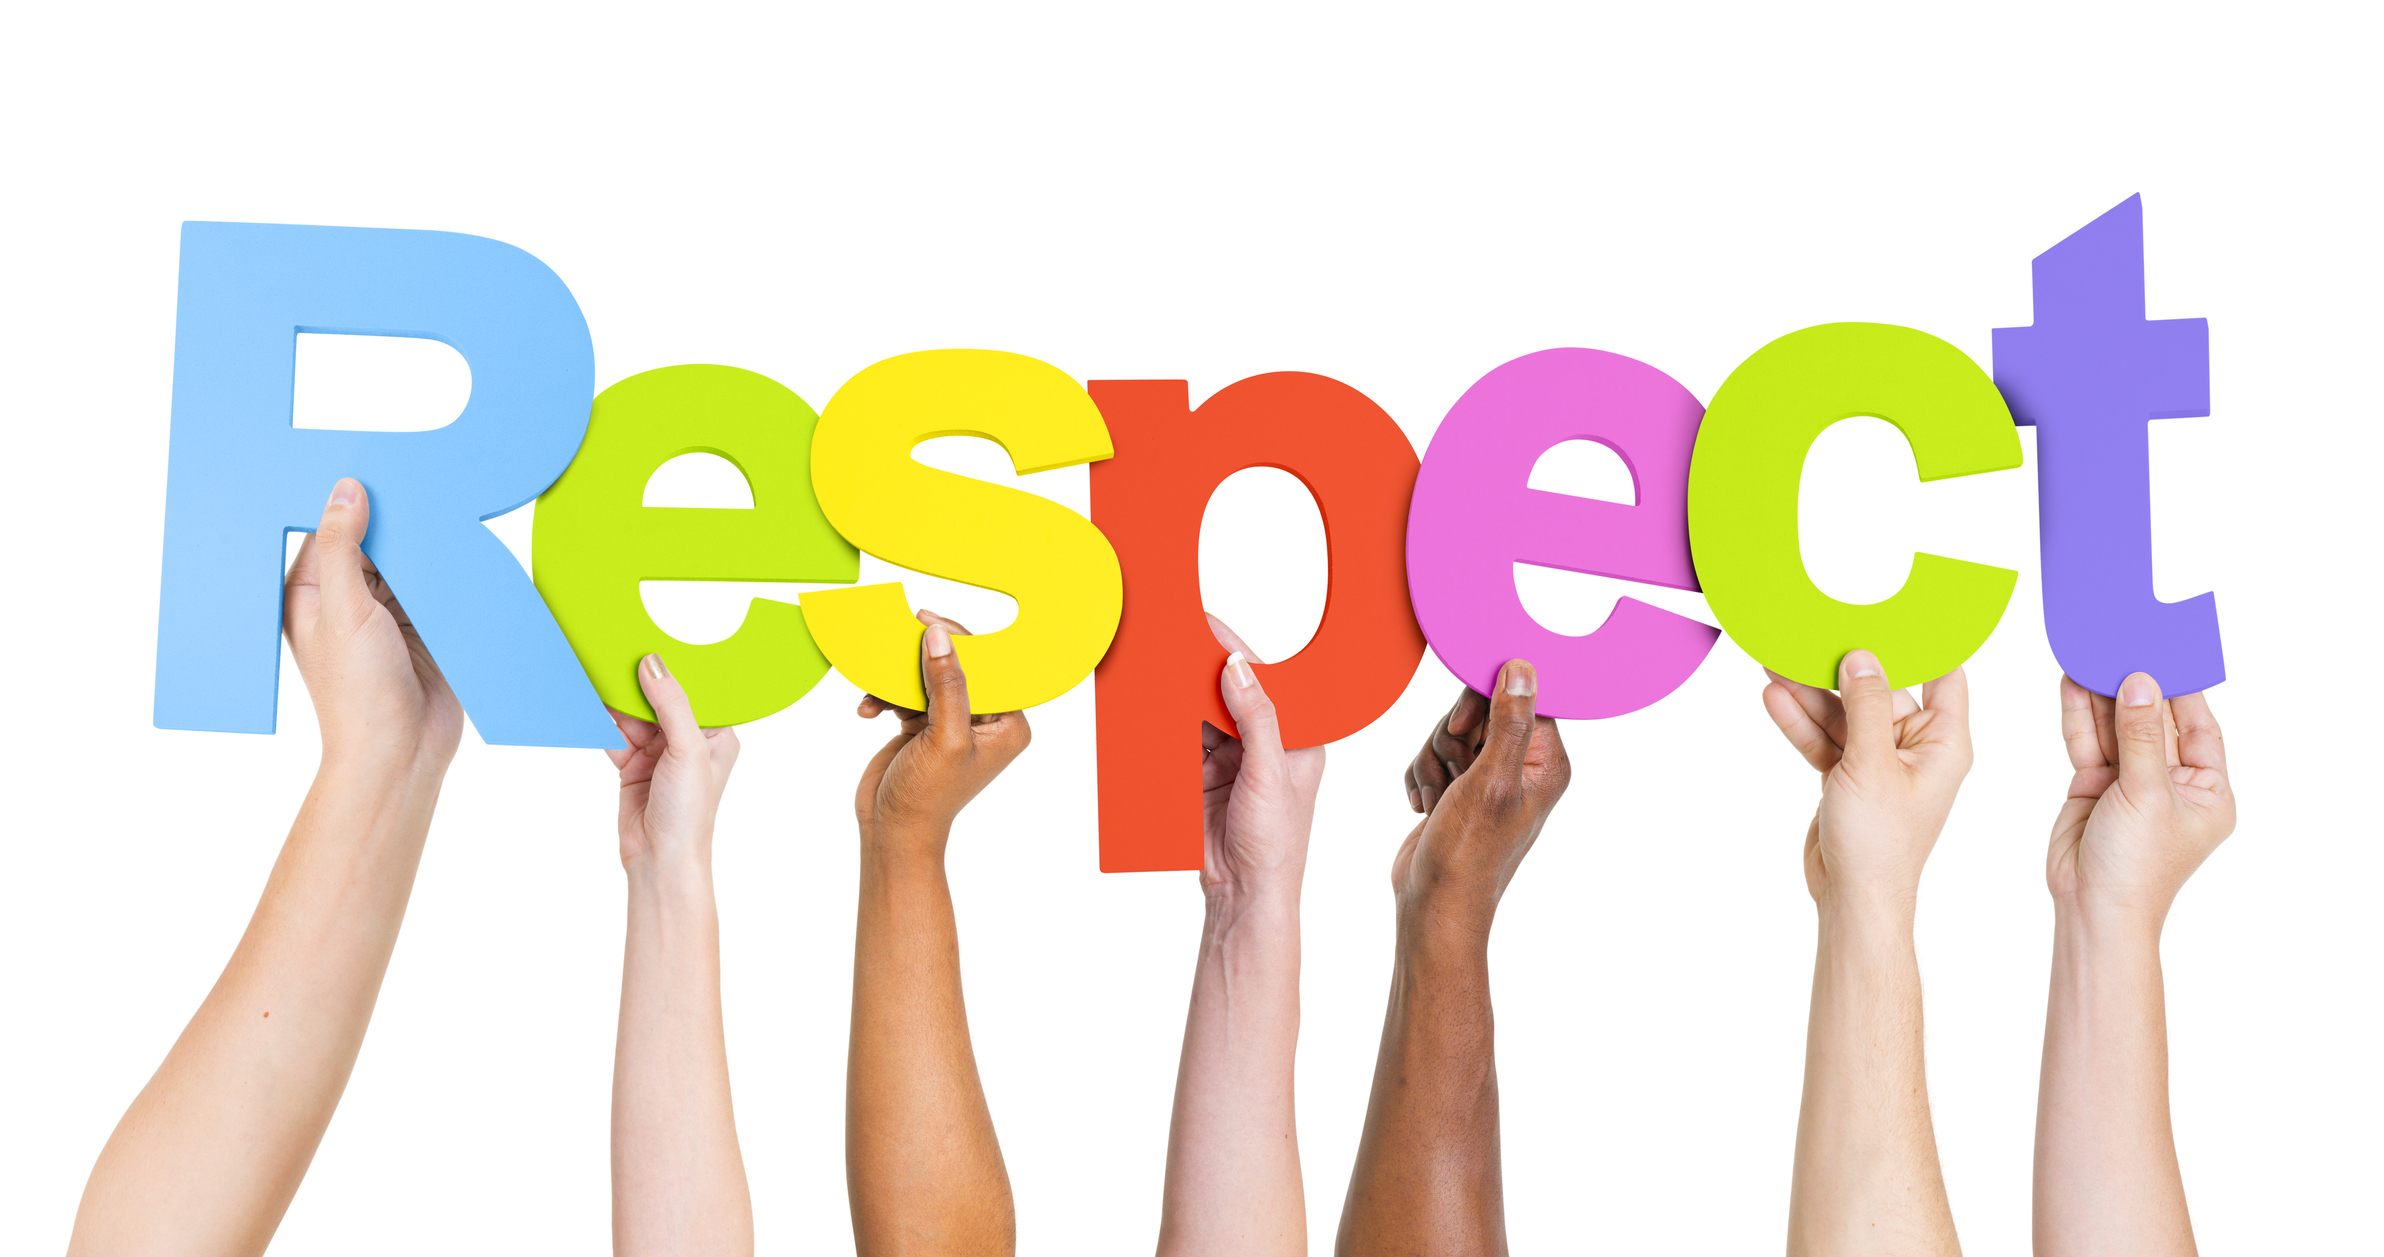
column 2107, row 1179
column 1867, row 1178
column 209, row 1155
column 1427, row 1174
column 922, row 1164
column 1233, row 1165
column 678, row 1175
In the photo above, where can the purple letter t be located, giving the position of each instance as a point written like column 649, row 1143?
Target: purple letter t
column 2089, row 374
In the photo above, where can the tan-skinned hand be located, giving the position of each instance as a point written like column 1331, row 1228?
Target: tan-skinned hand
column 672, row 773
column 2150, row 800
column 1889, row 771
column 378, row 695
column 1257, row 799
column 1486, row 781
column 941, row 758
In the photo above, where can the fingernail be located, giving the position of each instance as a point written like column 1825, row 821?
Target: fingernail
column 939, row 641
column 654, row 667
column 344, row 493
column 1521, row 683
column 1860, row 663
column 1415, row 800
column 2139, row 691
column 1238, row 669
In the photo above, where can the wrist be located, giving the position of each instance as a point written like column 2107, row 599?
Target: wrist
column 1241, row 908
column 1244, row 888
column 1883, row 905
column 387, row 764
column 2087, row 925
column 1445, row 925
column 1862, row 924
column 363, row 778
column 671, row 865
column 904, row 845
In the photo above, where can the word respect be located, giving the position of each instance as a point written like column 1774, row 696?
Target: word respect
column 1419, row 552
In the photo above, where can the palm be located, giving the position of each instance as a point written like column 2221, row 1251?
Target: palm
column 369, row 641
column 2141, row 836
column 1238, row 833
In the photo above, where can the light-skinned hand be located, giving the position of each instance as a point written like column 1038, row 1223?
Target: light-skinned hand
column 1486, row 781
column 672, row 773
column 2149, row 802
column 377, row 693
column 1889, row 771
column 941, row 758
column 1257, row 799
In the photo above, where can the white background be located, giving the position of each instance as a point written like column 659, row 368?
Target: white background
column 1401, row 199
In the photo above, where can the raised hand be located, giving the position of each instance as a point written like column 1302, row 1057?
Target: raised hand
column 211, row 1152
column 922, row 1164
column 377, row 692
column 2149, row 801
column 1486, row 780
column 1867, row 1179
column 1889, row 771
column 672, row 773
column 1427, row 1178
column 1233, row 1157
column 933, row 766
column 678, row 1174
column 1257, row 799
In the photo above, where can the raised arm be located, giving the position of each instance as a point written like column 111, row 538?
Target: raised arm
column 678, row 1177
column 2150, row 801
column 921, row 1161
column 1233, row 1151
column 1427, row 1173
column 211, row 1152
column 1867, row 1179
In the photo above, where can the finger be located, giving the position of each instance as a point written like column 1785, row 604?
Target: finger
column 672, row 712
column 1430, row 775
column 1948, row 700
column 2106, row 726
column 1905, row 704
column 1870, row 711
column 339, row 547
column 2143, row 738
column 1254, row 715
column 1803, row 733
column 2078, row 732
column 1819, row 704
column 1507, row 730
column 305, row 568
column 2199, row 744
column 1231, row 640
column 1415, row 793
column 952, row 626
column 946, row 684
column 872, row 707
column 1220, row 765
column 635, row 733
column 1466, row 715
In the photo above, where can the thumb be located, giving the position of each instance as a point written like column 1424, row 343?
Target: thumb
column 339, row 550
column 1870, row 707
column 681, row 736
column 1506, row 731
column 1254, row 716
column 947, row 689
column 2143, row 738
